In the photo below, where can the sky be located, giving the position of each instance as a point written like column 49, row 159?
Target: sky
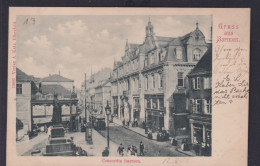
column 75, row 44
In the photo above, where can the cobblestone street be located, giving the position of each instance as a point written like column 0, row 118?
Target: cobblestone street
column 119, row 134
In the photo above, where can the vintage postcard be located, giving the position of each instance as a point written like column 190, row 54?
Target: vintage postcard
column 128, row 86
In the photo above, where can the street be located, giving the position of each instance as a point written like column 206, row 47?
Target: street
column 119, row 134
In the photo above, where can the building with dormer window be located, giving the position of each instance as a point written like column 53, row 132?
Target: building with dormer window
column 149, row 83
column 199, row 98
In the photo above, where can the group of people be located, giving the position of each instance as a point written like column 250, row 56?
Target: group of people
column 131, row 150
column 127, row 124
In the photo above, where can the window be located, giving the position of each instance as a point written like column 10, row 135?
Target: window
column 19, row 89
column 207, row 106
column 128, row 85
column 134, row 84
column 160, row 80
column 179, row 53
column 155, row 104
column 207, row 82
column 153, row 79
column 146, row 82
column 196, row 83
column 136, row 103
column 152, row 58
column 148, row 103
column 180, row 79
column 161, row 103
column 146, row 61
column 198, row 104
column 196, row 54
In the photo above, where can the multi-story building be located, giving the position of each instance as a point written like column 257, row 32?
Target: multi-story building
column 102, row 96
column 57, row 79
column 150, row 76
column 25, row 88
column 199, row 97
column 88, row 91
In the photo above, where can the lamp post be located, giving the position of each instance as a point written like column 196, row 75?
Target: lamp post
column 108, row 111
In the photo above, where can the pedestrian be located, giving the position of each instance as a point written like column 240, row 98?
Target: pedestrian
column 105, row 152
column 132, row 151
column 129, row 150
column 120, row 150
column 136, row 123
column 141, row 149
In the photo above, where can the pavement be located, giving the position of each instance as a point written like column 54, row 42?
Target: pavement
column 25, row 145
column 137, row 130
column 98, row 143
column 141, row 132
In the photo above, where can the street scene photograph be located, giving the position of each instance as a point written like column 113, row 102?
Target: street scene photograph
column 114, row 85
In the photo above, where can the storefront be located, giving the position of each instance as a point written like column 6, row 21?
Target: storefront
column 200, row 135
column 154, row 107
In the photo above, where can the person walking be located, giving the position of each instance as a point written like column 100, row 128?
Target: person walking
column 120, row 150
column 141, row 149
column 132, row 151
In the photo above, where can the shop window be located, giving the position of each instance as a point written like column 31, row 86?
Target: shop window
column 155, row 104
column 178, row 52
column 19, row 89
column 196, row 54
column 148, row 103
column 207, row 82
column 208, row 135
column 196, row 83
column 197, row 133
column 207, row 106
column 180, row 79
column 161, row 104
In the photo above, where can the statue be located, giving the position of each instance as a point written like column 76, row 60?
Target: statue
column 56, row 117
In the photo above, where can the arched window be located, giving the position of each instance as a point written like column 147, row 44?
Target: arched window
column 196, row 54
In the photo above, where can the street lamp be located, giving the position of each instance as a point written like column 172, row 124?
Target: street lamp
column 108, row 111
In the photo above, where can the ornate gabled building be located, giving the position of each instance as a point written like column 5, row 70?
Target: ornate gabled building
column 149, row 83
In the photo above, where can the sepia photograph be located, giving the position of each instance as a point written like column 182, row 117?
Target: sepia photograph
column 113, row 85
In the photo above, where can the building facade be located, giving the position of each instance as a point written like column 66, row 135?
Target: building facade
column 92, row 92
column 25, row 88
column 200, row 99
column 150, row 75
column 102, row 96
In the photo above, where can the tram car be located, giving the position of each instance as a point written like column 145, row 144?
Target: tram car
column 99, row 122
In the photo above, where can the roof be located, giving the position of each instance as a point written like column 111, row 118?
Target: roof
column 55, row 89
column 204, row 66
column 23, row 77
column 56, row 78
